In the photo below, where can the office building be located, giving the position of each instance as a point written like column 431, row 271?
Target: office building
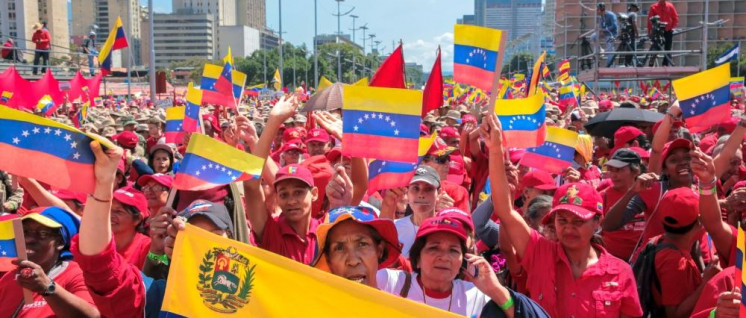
column 103, row 14
column 17, row 18
column 54, row 13
column 242, row 40
column 252, row 13
column 224, row 11
column 179, row 37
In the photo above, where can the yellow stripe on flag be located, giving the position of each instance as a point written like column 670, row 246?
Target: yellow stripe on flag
column 175, row 113
column 361, row 82
column 562, row 136
column 224, row 154
column 212, row 276
column 323, row 83
column 529, row 105
column 482, row 37
column 212, row 71
column 383, row 100
column 6, row 230
column 425, row 144
column 194, row 95
column 702, row 82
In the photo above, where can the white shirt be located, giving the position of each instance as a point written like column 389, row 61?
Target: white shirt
column 407, row 232
column 465, row 298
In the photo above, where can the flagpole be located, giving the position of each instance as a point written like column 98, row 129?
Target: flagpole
column 129, row 52
column 738, row 60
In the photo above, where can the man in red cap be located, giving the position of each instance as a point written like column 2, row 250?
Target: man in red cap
column 535, row 183
column 318, row 142
column 628, row 136
column 155, row 187
column 681, row 281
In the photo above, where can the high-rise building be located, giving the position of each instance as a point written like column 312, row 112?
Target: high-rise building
column 224, row 11
column 103, row 14
column 252, row 13
column 576, row 21
column 179, row 37
column 17, row 18
column 54, row 13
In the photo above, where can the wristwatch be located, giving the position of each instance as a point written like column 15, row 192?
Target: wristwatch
column 50, row 289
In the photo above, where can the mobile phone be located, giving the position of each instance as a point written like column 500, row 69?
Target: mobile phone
column 469, row 268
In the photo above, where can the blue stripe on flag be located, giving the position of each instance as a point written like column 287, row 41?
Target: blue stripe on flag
column 474, row 56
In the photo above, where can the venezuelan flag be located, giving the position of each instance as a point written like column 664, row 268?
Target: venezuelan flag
column 45, row 150
column 544, row 71
column 704, row 97
column 361, row 82
column 210, row 93
column 239, row 80
column 5, row 97
column 476, row 53
column 213, row 276
column 82, row 114
column 536, row 74
column 522, row 121
column 224, row 83
column 8, row 251
column 555, row 154
column 736, row 87
column 740, row 258
column 277, row 79
column 116, row 40
column 175, row 124
column 97, row 100
column 392, row 174
column 191, row 110
column 567, row 95
column 381, row 123
column 45, row 105
column 323, row 83
column 209, row 163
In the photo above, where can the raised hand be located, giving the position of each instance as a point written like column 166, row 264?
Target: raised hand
column 703, row 166
column 332, row 124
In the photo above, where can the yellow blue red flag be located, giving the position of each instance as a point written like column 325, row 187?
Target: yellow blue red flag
column 391, row 174
column 476, row 55
column 174, row 132
column 522, row 121
column 704, row 97
column 116, row 41
column 191, row 110
column 381, row 123
column 536, row 74
column 557, row 152
column 212, row 276
column 8, row 243
column 209, row 163
column 323, row 83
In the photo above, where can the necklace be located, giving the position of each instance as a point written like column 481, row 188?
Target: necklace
column 424, row 297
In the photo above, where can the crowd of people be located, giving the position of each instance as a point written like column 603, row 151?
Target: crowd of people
column 475, row 232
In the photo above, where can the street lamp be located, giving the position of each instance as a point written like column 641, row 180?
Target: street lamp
column 339, row 15
column 280, row 16
column 364, row 28
column 315, row 52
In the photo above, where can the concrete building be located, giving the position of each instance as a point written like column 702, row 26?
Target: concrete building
column 224, row 11
column 241, row 39
column 17, row 18
column 691, row 12
column 467, row 19
column 104, row 13
column 54, row 13
column 252, row 13
column 179, row 37
column 521, row 19
column 269, row 41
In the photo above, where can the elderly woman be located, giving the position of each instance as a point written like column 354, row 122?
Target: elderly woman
column 161, row 159
column 56, row 282
column 439, row 260
column 355, row 244
column 129, row 211
column 572, row 276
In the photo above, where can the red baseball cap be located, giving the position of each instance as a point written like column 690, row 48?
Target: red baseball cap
column 539, row 179
column 160, row 178
column 448, row 132
column 440, row 148
column 739, row 184
column 130, row 196
column 625, row 134
column 297, row 172
column 679, row 207
column 63, row 194
column 458, row 214
column 729, row 124
column 468, row 118
column 605, row 105
column 126, row 139
column 676, row 144
column 290, row 146
column 424, row 131
column 318, row 134
column 442, row 224
column 291, row 135
column 580, row 199
column 644, row 154
column 516, row 155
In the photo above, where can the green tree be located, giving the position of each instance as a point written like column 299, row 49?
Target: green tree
column 519, row 63
column 713, row 52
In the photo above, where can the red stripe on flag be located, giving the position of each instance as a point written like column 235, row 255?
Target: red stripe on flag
column 59, row 173
column 370, row 146
column 525, row 138
column 185, row 181
column 548, row 164
column 6, row 265
column 474, row 76
column 389, row 180
column 174, row 137
column 709, row 118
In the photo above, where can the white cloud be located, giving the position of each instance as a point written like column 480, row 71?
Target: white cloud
column 424, row 52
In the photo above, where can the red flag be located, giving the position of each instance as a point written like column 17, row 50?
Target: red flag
column 658, row 84
column 643, row 87
column 616, row 83
column 391, row 72
column 432, row 97
column 666, row 87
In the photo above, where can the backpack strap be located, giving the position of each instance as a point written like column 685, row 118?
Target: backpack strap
column 407, row 285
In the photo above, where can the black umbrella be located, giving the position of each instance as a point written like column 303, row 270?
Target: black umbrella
column 605, row 124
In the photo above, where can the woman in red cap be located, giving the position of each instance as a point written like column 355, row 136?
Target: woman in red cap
column 571, row 277
column 129, row 210
column 161, row 159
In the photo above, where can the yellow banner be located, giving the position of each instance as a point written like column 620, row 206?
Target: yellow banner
column 212, row 276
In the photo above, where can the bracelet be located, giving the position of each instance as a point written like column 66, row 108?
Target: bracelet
column 710, row 191
column 709, row 185
column 712, row 313
column 99, row 200
column 162, row 259
column 507, row 304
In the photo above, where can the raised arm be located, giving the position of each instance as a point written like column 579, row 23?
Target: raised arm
column 41, row 195
column 512, row 222
column 256, row 211
column 709, row 208
column 722, row 160
column 661, row 138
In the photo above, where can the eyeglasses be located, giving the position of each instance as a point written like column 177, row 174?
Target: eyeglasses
column 155, row 188
column 40, row 234
column 439, row 160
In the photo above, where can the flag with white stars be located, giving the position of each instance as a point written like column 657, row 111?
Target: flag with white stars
column 381, row 123
column 8, row 250
column 174, row 131
column 392, row 174
column 209, row 86
column 45, row 150
column 209, row 163
column 704, row 98
column 191, row 109
column 557, row 152
column 476, row 55
column 522, row 121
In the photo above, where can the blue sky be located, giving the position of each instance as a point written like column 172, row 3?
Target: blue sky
column 422, row 25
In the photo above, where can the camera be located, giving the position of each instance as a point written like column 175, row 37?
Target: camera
column 626, row 26
column 659, row 27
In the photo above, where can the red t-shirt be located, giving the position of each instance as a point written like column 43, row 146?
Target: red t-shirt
column 42, row 39
column 622, row 242
column 70, row 279
column 280, row 238
column 679, row 276
column 708, row 300
column 136, row 252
